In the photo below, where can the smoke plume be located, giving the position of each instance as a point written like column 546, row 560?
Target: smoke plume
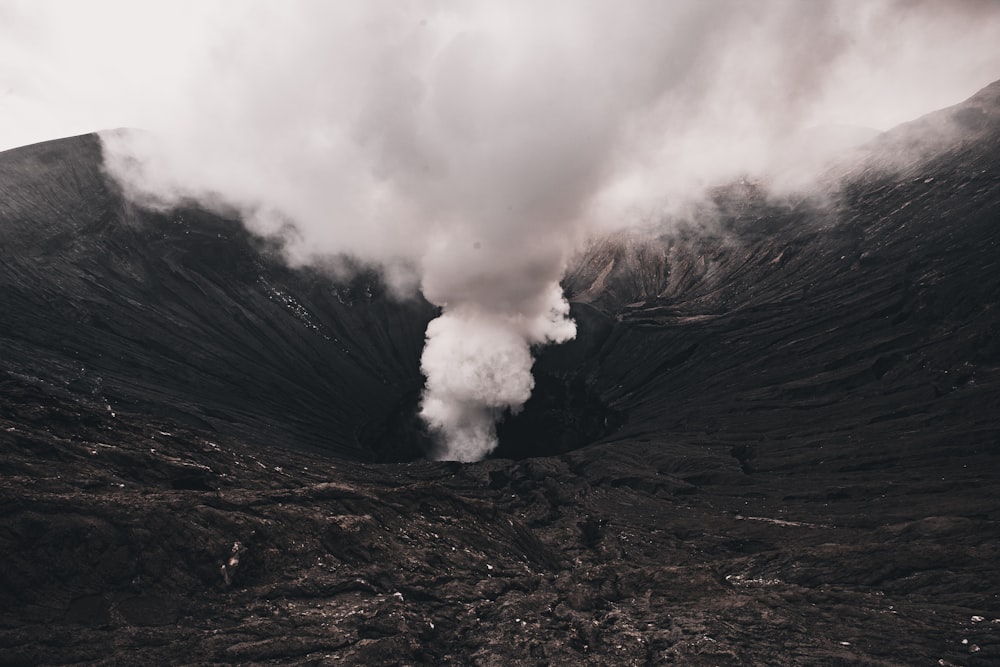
column 468, row 148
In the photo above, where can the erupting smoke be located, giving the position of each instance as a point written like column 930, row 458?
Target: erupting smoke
column 478, row 364
column 467, row 148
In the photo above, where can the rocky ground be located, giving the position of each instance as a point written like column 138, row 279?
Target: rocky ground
column 132, row 541
column 775, row 440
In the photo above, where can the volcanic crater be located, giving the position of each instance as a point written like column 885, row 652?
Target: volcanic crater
column 773, row 441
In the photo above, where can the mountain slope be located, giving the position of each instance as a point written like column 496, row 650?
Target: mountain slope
column 187, row 314
column 875, row 314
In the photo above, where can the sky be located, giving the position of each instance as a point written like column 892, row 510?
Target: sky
column 74, row 66
column 468, row 148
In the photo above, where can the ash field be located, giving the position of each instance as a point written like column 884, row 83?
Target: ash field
column 774, row 439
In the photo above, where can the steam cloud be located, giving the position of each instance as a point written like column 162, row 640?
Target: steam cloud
column 467, row 148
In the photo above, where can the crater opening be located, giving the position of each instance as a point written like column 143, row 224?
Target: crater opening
column 565, row 411
column 562, row 414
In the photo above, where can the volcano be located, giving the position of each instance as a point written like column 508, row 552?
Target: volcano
column 774, row 440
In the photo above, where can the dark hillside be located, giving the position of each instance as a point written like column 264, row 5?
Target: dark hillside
column 185, row 314
column 790, row 328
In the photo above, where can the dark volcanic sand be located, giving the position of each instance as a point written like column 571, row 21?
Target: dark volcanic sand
column 775, row 440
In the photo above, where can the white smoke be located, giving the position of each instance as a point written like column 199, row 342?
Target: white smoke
column 468, row 147
column 478, row 364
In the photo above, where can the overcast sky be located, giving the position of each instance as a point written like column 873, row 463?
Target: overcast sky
column 74, row 66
